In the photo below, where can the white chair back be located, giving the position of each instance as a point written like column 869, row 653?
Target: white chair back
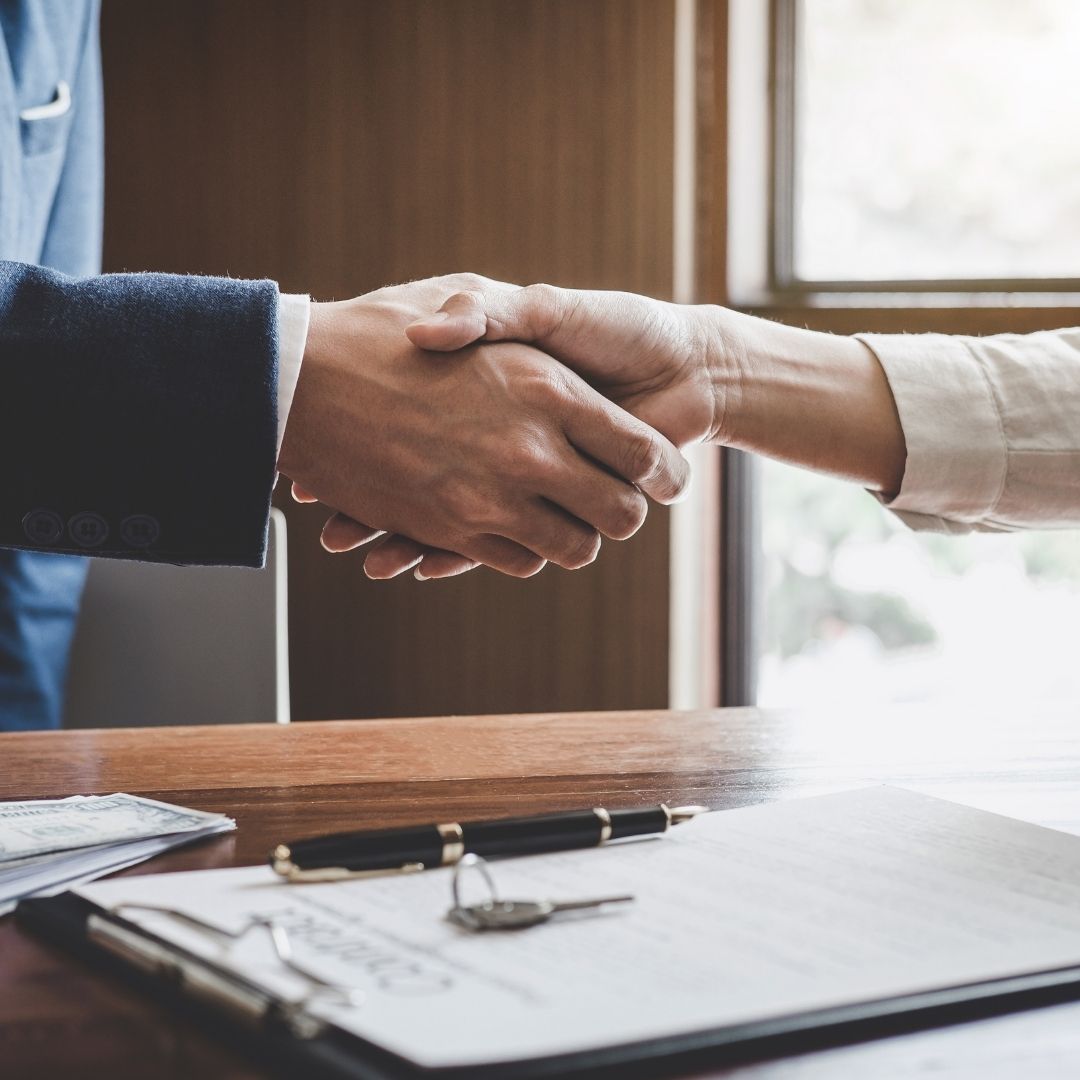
column 182, row 645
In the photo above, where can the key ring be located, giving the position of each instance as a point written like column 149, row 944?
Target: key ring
column 496, row 914
column 461, row 912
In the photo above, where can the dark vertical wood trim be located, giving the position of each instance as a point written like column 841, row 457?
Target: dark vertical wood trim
column 712, row 157
column 712, row 141
column 733, row 496
column 783, row 45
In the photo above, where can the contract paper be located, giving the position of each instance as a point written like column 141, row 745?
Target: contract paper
column 739, row 916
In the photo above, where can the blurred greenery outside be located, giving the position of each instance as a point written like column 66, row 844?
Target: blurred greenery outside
column 857, row 604
column 931, row 142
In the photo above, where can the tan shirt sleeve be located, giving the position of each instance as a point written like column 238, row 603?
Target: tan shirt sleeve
column 992, row 427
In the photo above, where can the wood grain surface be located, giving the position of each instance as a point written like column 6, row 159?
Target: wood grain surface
column 57, row 1018
column 344, row 145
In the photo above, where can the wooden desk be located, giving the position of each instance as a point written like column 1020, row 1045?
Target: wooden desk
column 58, row 1018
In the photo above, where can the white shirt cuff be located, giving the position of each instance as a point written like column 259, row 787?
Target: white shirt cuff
column 294, row 312
column 957, row 454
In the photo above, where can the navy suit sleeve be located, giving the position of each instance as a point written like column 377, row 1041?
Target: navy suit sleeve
column 138, row 415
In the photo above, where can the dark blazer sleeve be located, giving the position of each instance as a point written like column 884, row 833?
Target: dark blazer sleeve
column 138, row 415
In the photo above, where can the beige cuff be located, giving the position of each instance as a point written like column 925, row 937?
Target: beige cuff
column 956, row 449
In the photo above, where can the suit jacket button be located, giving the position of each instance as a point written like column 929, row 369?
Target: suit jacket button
column 140, row 530
column 43, row 527
column 88, row 530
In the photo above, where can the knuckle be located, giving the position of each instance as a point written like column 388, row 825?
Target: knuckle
column 645, row 458
column 467, row 302
column 524, row 564
column 581, row 550
column 471, row 510
column 627, row 517
column 548, row 386
column 678, row 485
column 523, row 460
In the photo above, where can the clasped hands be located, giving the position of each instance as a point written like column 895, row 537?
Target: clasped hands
column 462, row 421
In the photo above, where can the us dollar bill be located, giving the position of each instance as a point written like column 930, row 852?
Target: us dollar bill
column 42, row 826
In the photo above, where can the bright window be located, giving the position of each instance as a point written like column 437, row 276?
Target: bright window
column 935, row 139
column 931, row 139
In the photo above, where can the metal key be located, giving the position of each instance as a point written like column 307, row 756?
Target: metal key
column 496, row 914
column 519, row 914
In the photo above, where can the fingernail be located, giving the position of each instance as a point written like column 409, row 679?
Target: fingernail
column 419, row 574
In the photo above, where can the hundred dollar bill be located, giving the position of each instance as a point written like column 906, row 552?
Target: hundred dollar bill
column 41, row 826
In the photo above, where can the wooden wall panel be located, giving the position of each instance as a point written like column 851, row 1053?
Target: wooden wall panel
column 343, row 144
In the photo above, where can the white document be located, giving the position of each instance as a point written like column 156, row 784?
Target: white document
column 739, row 916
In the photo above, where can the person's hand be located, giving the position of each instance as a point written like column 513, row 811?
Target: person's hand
column 650, row 357
column 497, row 454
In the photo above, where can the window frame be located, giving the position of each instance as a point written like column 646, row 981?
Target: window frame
column 746, row 139
column 784, row 282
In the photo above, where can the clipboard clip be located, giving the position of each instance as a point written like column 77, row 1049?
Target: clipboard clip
column 203, row 979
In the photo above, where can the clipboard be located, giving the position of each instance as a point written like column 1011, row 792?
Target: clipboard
column 284, row 1040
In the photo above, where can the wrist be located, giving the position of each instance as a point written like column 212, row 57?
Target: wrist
column 816, row 400
column 724, row 351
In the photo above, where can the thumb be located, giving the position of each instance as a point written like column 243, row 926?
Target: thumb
column 531, row 314
column 459, row 322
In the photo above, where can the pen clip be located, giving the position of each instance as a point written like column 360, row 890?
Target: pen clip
column 294, row 874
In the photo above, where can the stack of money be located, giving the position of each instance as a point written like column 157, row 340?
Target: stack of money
column 49, row 845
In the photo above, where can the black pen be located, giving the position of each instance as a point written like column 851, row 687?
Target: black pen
column 422, row 847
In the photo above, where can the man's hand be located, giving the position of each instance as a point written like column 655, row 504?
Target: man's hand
column 652, row 358
column 497, row 454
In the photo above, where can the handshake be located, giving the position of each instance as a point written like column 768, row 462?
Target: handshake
column 463, row 421
column 460, row 421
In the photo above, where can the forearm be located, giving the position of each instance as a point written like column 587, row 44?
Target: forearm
column 817, row 400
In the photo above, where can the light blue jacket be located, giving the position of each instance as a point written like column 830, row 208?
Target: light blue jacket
column 137, row 411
